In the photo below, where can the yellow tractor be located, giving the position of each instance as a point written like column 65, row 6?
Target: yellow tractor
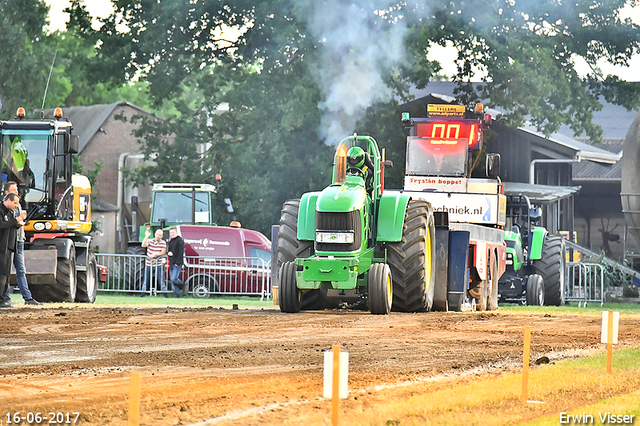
column 37, row 155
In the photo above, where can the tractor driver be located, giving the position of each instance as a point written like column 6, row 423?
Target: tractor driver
column 16, row 165
column 358, row 158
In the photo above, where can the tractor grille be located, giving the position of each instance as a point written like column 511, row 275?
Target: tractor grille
column 349, row 221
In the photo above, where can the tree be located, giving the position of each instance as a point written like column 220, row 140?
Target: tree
column 526, row 53
column 272, row 119
column 295, row 69
column 35, row 64
column 25, row 61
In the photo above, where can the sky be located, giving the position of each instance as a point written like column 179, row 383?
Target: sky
column 446, row 56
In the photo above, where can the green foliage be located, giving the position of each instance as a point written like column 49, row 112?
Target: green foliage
column 25, row 61
column 613, row 276
column 277, row 74
column 91, row 174
column 527, row 52
column 60, row 65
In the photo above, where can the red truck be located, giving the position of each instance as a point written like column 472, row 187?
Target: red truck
column 224, row 259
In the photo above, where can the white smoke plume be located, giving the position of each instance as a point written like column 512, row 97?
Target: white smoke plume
column 355, row 50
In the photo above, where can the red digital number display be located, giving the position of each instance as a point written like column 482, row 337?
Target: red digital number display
column 449, row 132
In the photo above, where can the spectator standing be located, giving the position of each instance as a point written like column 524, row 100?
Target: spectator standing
column 176, row 260
column 154, row 264
column 9, row 225
column 18, row 255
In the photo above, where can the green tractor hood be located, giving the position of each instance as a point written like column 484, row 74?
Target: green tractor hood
column 347, row 197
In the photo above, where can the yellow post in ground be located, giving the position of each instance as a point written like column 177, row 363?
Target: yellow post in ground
column 610, row 342
column 525, row 363
column 134, row 399
column 335, row 394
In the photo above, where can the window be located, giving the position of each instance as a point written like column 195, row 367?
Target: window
column 175, row 207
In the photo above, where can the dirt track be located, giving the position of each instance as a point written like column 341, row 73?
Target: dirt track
column 202, row 364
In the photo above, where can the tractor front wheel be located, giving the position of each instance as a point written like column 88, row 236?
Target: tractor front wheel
column 87, row 289
column 291, row 248
column 535, row 290
column 380, row 290
column 289, row 294
column 64, row 290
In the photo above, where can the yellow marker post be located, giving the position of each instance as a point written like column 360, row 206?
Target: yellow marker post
column 134, row 399
column 335, row 397
column 525, row 363
column 610, row 342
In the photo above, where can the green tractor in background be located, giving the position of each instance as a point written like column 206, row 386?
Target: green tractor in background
column 536, row 259
column 354, row 242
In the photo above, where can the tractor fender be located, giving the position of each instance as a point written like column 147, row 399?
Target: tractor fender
column 391, row 210
column 307, row 216
column 536, row 244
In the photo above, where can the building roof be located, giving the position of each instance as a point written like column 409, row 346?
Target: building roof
column 590, row 171
column 88, row 120
column 540, row 194
column 583, row 151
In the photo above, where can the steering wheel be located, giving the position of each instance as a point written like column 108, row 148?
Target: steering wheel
column 356, row 171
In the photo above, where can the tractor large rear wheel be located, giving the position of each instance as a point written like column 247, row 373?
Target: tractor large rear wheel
column 551, row 267
column 134, row 267
column 412, row 260
column 380, row 290
column 290, row 248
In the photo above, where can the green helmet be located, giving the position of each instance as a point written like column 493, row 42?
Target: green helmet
column 19, row 154
column 355, row 157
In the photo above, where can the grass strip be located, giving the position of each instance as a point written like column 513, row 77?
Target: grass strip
column 575, row 386
column 114, row 300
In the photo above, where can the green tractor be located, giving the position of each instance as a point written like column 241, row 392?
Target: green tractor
column 354, row 242
column 536, row 260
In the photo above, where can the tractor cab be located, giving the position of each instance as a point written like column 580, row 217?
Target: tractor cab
column 358, row 162
column 37, row 155
column 178, row 204
column 522, row 226
column 535, row 259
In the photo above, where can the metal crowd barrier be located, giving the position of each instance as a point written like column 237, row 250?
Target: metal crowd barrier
column 203, row 276
column 584, row 283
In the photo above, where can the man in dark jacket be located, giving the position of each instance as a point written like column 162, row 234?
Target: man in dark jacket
column 9, row 225
column 18, row 255
column 175, row 252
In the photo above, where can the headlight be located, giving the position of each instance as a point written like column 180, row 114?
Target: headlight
column 38, row 226
column 335, row 237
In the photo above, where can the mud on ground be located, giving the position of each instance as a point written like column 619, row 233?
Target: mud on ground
column 199, row 364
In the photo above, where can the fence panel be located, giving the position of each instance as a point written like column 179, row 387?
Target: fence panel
column 584, row 283
column 203, row 276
